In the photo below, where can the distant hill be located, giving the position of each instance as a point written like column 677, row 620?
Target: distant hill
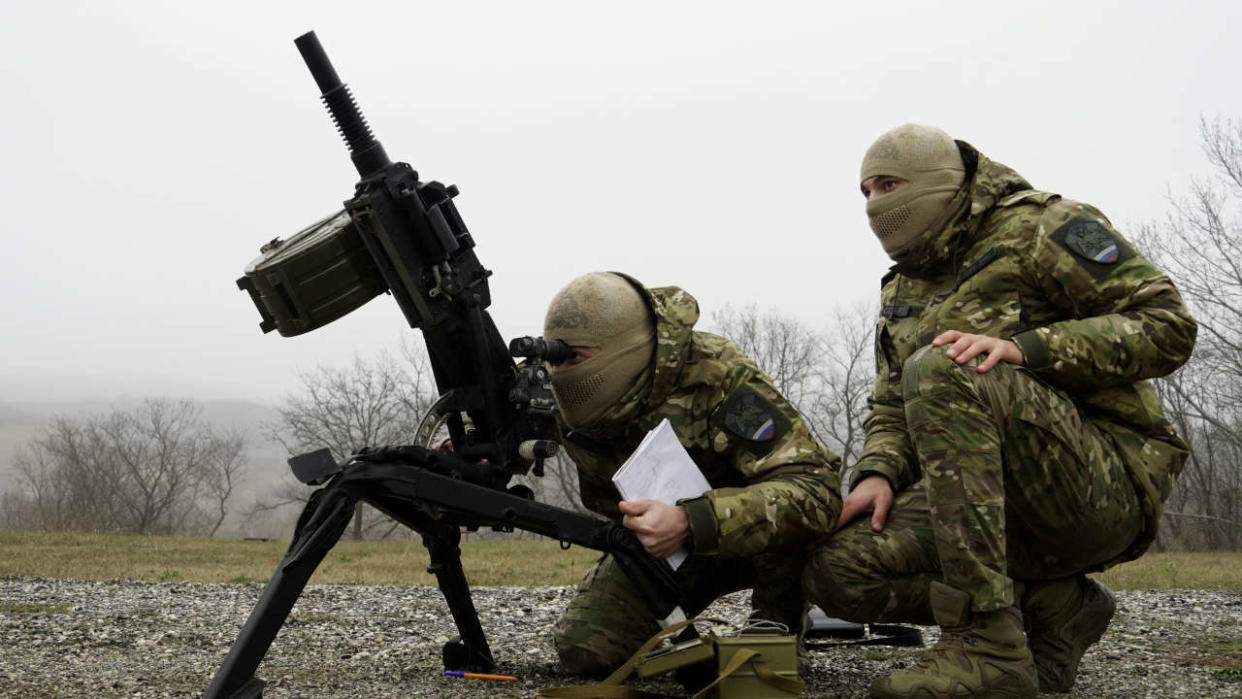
column 19, row 421
column 22, row 420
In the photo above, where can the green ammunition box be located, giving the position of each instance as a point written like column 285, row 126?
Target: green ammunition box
column 662, row 660
column 778, row 651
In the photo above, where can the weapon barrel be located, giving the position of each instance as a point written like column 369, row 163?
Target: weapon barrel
column 367, row 153
column 320, row 67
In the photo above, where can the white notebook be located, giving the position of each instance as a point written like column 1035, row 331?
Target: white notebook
column 661, row 470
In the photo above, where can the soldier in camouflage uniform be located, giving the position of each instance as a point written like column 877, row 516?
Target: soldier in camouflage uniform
column 1012, row 416
column 636, row 360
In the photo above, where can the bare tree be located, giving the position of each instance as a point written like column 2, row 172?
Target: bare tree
column 158, row 469
column 44, row 505
column 827, row 375
column 224, row 467
column 845, row 377
column 369, row 403
column 16, row 510
column 1200, row 246
column 785, row 348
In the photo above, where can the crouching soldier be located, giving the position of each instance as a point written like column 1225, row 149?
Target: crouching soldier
column 1014, row 441
column 635, row 360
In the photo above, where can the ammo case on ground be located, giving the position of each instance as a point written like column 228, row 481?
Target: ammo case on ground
column 763, row 665
column 755, row 662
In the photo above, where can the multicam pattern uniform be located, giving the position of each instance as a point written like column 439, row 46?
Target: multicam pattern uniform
column 1036, row 472
column 771, row 496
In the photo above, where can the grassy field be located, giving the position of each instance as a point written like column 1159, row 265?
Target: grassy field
column 494, row 562
column 1221, row 570
column 160, row 558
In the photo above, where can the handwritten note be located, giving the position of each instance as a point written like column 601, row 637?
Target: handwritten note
column 661, row 470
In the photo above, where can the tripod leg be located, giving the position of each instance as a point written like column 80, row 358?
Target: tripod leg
column 469, row 650
column 319, row 528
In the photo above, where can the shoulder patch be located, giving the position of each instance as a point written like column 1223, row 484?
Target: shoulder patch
column 1092, row 241
column 752, row 418
column 1096, row 246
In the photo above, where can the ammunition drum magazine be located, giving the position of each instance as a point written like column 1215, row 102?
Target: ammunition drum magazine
column 316, row 276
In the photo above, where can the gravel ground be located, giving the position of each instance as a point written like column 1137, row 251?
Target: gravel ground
column 68, row 638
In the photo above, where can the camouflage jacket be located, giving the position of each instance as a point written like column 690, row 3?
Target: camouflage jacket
column 1092, row 317
column 774, row 486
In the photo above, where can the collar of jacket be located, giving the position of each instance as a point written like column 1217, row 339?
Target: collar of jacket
column 987, row 182
column 676, row 312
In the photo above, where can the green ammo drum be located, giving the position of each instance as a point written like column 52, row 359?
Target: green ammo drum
column 318, row 275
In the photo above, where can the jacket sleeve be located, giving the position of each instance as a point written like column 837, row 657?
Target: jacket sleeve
column 1127, row 320
column 887, row 449
column 793, row 489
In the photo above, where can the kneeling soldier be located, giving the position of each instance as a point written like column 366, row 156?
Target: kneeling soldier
column 635, row 360
column 1011, row 416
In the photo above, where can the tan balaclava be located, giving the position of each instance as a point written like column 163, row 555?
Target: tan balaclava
column 601, row 310
column 928, row 160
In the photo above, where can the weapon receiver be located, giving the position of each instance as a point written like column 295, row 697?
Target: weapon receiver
column 403, row 236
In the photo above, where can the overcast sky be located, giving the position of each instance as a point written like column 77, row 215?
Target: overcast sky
column 150, row 148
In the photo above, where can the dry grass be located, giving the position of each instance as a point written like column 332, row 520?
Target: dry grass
column 494, row 562
column 1169, row 571
column 109, row 557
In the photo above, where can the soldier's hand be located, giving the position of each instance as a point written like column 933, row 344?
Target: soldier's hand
column 873, row 494
column 967, row 346
column 661, row 529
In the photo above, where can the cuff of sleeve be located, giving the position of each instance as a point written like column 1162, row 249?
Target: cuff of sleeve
column 704, row 534
column 876, row 469
column 1034, row 349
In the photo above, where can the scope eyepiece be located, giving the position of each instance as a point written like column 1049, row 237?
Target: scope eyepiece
column 538, row 349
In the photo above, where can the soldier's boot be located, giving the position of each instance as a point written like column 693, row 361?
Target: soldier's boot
column 1065, row 617
column 979, row 654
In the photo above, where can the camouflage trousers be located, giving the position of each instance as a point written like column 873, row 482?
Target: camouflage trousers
column 1015, row 485
column 609, row 618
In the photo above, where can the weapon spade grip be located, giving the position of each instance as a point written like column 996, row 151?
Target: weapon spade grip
column 367, row 153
